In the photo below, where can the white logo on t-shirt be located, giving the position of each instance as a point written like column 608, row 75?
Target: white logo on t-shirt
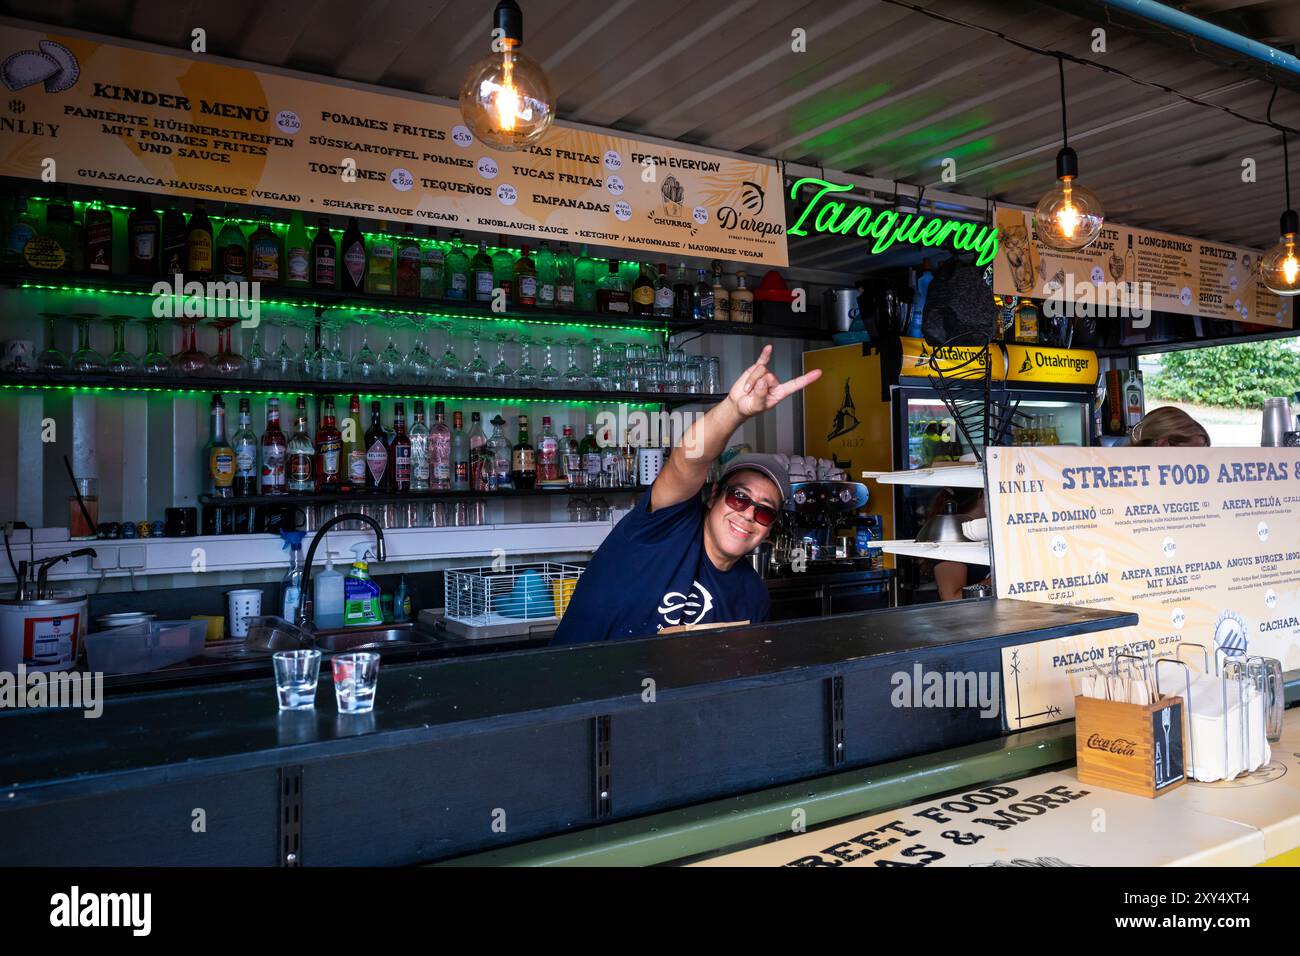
column 678, row 608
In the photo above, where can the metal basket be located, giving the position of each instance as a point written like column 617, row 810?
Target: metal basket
column 509, row 594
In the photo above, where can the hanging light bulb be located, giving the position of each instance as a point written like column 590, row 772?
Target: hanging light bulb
column 1070, row 215
column 1279, row 269
column 506, row 99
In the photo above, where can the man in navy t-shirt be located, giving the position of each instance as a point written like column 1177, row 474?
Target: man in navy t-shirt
column 677, row 558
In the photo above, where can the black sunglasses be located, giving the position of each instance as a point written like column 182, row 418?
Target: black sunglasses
column 737, row 500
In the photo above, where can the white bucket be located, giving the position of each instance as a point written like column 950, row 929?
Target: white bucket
column 649, row 462
column 42, row 635
column 243, row 604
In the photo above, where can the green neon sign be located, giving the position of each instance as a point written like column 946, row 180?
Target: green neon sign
column 888, row 226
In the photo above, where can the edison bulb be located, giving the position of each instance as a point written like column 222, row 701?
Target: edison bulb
column 1069, row 216
column 1279, row 269
column 506, row 100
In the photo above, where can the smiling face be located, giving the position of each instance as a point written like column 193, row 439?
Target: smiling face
column 730, row 535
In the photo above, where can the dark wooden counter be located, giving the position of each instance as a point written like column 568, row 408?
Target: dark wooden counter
column 526, row 732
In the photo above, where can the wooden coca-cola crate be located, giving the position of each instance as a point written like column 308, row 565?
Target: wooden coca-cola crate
column 1136, row 748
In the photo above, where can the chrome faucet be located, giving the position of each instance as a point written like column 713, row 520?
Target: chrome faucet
column 43, row 569
column 306, row 611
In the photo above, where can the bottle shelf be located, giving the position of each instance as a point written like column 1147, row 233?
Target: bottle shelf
column 69, row 381
column 944, row 476
column 324, row 300
column 374, row 497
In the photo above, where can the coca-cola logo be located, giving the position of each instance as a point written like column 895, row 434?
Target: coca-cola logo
column 1119, row 746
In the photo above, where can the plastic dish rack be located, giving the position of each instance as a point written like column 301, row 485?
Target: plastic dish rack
column 497, row 601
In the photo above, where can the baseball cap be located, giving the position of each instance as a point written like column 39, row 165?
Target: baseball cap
column 770, row 465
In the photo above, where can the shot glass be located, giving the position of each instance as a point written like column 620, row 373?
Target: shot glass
column 356, row 677
column 296, row 673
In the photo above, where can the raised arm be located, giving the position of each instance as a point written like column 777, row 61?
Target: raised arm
column 756, row 391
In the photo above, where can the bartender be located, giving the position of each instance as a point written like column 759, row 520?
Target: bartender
column 676, row 558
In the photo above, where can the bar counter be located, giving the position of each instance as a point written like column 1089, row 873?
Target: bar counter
column 471, row 754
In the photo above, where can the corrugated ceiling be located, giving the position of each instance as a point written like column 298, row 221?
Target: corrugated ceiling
column 882, row 91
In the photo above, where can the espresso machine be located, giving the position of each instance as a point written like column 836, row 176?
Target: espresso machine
column 821, row 532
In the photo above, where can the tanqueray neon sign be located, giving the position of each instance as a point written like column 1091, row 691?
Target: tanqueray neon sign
column 888, row 226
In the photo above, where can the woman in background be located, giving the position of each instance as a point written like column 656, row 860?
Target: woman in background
column 1169, row 427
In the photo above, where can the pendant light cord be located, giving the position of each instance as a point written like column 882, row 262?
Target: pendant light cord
column 1065, row 128
column 1286, row 156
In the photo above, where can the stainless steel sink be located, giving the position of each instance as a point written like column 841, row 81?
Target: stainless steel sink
column 374, row 638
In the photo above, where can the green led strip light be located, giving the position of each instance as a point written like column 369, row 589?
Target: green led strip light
column 365, row 396
column 366, row 310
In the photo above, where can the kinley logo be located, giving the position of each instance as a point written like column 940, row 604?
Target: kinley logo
column 946, row 689
column 208, row 300
column 75, row 909
column 888, row 226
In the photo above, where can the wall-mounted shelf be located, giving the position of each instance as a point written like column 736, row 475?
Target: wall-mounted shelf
column 359, row 498
column 965, row 552
column 944, row 476
column 366, row 390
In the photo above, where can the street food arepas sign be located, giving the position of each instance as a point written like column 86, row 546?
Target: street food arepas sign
column 1202, row 544
column 98, row 114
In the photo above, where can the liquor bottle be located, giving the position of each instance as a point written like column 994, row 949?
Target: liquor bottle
column 683, row 294
column 459, row 453
column 75, row 259
column 432, row 261
column 264, row 252
column 59, row 249
column 408, row 263
column 503, row 270
column 143, row 232
column 232, row 250
column 721, row 297
column 570, row 460
column 380, row 259
column 352, row 277
column 244, row 443
column 481, row 270
column 173, row 240
column 297, row 254
column 545, row 263
column 218, row 455
column 354, row 451
column 479, row 470
column 274, row 451
column 564, row 293
column 548, row 453
column 301, row 465
column 1130, row 263
column 1027, row 322
column 440, row 450
column 99, row 237
column 198, row 243
column 523, row 459
column 612, row 294
column 455, row 270
column 742, row 301
column 643, row 294
column 525, row 279
column 584, row 282
column 420, row 449
column 664, row 296
column 329, row 451
column 23, row 227
column 589, row 453
column 324, row 257
column 500, row 452
column 702, row 300
column 399, row 452
column 376, row 452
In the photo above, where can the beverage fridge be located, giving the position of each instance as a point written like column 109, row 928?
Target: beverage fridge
column 877, row 409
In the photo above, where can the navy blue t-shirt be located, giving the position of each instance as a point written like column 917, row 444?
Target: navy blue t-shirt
column 653, row 572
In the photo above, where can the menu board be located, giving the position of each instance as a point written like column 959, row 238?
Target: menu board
column 1130, row 268
column 115, row 117
column 1203, row 545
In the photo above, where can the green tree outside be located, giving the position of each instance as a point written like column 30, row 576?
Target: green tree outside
column 1229, row 376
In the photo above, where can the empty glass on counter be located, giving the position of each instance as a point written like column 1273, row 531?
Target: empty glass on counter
column 296, row 676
